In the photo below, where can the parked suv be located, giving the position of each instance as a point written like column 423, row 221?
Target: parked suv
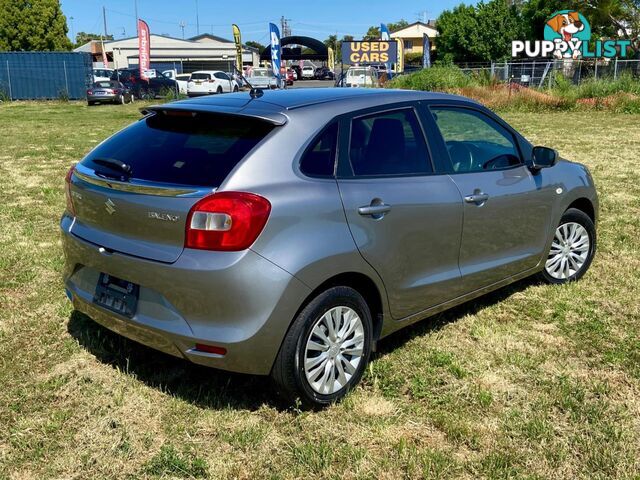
column 285, row 234
column 157, row 85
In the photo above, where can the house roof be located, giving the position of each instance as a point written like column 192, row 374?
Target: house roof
column 415, row 29
column 209, row 36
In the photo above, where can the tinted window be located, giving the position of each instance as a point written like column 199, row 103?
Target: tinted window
column 200, row 76
column 319, row 159
column 221, row 76
column 186, row 150
column 475, row 141
column 388, row 143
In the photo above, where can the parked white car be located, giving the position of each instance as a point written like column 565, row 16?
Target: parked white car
column 362, row 77
column 262, row 78
column 102, row 74
column 182, row 79
column 308, row 72
column 207, row 82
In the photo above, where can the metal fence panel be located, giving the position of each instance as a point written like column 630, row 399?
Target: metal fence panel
column 44, row 75
column 542, row 72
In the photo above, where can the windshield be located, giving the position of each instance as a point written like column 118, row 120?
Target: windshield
column 105, row 85
column 200, row 76
column 354, row 72
column 260, row 72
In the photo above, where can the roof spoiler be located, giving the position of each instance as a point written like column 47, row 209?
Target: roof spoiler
column 274, row 118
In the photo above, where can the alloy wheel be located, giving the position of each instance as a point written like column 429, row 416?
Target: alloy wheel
column 334, row 350
column 569, row 251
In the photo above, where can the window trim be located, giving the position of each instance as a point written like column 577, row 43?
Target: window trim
column 391, row 108
column 311, row 145
column 497, row 120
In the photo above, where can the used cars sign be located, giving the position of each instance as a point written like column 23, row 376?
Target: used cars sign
column 369, row 51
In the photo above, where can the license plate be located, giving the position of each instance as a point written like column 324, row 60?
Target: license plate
column 117, row 295
column 100, row 93
column 198, row 83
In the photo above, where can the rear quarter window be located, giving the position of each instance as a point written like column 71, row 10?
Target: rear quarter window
column 183, row 150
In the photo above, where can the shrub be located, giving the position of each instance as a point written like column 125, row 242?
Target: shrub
column 435, row 78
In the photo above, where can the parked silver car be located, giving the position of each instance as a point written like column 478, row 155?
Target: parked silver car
column 286, row 234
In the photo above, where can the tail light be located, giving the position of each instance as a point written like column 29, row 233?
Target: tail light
column 226, row 221
column 89, row 92
column 67, row 184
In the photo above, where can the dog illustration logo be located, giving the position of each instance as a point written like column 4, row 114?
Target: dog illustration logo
column 568, row 29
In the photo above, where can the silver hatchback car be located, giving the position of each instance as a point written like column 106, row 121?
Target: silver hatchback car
column 285, row 233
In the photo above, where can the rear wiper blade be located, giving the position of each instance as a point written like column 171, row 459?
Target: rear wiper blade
column 115, row 165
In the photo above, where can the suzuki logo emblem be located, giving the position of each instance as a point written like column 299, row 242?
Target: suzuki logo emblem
column 110, row 206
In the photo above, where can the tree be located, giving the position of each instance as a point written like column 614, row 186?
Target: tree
column 27, row 25
column 374, row 32
column 83, row 37
column 478, row 33
column 254, row 44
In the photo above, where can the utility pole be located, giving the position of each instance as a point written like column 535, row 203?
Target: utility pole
column 135, row 7
column 182, row 25
column 104, row 20
column 285, row 30
column 197, row 19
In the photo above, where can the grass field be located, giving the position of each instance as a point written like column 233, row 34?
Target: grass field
column 533, row 381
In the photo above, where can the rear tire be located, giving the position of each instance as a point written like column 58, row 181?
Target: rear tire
column 326, row 349
column 572, row 250
column 219, row 90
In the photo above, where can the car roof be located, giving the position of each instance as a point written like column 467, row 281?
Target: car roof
column 207, row 71
column 273, row 105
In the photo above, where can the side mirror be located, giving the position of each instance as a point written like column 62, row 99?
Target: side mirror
column 543, row 157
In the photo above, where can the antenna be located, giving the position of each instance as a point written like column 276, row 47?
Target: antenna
column 423, row 14
column 182, row 24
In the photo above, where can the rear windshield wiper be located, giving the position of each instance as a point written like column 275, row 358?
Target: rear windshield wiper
column 123, row 170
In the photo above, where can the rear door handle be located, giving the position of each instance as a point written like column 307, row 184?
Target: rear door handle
column 375, row 210
column 478, row 197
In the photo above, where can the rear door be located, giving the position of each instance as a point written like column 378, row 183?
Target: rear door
column 175, row 158
column 506, row 212
column 225, row 81
column 405, row 219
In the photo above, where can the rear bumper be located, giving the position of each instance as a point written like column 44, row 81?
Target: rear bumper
column 235, row 300
column 102, row 98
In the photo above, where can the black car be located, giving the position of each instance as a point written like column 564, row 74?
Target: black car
column 324, row 73
column 157, row 85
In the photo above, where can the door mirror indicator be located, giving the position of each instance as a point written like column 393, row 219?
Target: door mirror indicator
column 543, row 157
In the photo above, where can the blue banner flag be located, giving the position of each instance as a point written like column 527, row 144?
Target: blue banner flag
column 384, row 35
column 274, row 33
column 426, row 51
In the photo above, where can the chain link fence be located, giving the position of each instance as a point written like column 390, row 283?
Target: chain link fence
column 543, row 72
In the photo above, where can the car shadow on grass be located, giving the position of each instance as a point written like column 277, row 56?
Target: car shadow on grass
column 436, row 322
column 196, row 384
column 217, row 389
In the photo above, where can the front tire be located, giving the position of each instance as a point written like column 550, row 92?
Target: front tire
column 326, row 350
column 572, row 249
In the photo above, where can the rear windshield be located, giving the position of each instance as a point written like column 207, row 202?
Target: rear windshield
column 105, row 84
column 184, row 150
column 200, row 76
column 259, row 73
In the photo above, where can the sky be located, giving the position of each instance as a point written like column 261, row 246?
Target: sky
column 317, row 19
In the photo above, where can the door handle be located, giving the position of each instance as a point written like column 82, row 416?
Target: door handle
column 377, row 209
column 478, row 198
